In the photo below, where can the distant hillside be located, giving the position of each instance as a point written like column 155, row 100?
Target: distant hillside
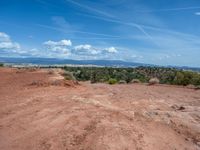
column 107, row 63
column 53, row 61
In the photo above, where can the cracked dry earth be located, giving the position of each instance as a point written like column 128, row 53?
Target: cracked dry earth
column 95, row 116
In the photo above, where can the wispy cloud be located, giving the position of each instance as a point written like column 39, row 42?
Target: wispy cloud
column 146, row 28
column 75, row 31
column 112, row 18
column 42, row 2
column 137, row 25
column 197, row 13
column 132, row 24
column 102, row 15
column 165, row 39
column 96, row 11
column 170, row 9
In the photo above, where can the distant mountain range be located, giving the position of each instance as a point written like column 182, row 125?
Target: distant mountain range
column 55, row 61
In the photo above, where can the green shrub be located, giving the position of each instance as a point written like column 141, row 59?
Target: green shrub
column 112, row 81
column 1, row 65
column 68, row 76
column 93, row 77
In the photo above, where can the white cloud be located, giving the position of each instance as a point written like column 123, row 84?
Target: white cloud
column 66, row 42
column 111, row 50
column 7, row 44
column 4, row 37
column 197, row 13
column 86, row 49
column 56, row 49
column 59, row 43
column 61, row 47
column 80, row 47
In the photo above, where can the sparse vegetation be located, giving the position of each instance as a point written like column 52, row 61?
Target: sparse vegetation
column 135, row 75
column 1, row 65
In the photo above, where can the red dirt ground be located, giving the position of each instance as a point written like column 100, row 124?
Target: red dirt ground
column 38, row 111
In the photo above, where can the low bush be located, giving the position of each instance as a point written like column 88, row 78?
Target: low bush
column 122, row 82
column 50, row 71
column 197, row 87
column 112, row 81
column 153, row 81
column 190, row 86
column 31, row 69
column 69, row 76
column 135, row 81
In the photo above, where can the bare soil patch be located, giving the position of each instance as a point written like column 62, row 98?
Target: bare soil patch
column 41, row 111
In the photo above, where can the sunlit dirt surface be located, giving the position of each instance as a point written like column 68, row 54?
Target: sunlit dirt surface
column 38, row 111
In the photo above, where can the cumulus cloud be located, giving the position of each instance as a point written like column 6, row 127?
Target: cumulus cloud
column 80, row 47
column 59, row 43
column 87, row 49
column 111, row 50
column 7, row 44
column 59, row 47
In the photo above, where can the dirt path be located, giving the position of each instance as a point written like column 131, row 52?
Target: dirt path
column 94, row 117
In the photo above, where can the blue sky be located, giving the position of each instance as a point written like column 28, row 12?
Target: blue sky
column 163, row 32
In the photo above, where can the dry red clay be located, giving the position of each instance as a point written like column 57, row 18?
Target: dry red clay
column 94, row 116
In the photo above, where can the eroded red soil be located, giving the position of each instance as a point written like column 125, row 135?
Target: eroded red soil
column 40, row 112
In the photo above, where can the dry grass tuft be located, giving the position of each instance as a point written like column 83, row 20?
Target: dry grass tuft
column 135, row 81
column 154, row 81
